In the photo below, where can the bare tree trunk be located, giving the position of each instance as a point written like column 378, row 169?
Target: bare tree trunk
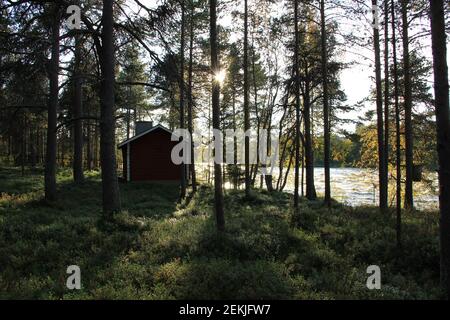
column 235, row 154
column 297, row 110
column 22, row 144
column 128, row 112
column 326, row 107
column 110, row 185
column 246, row 104
column 398, row 133
column 269, row 177
column 33, row 146
column 291, row 156
column 215, row 66
column 78, row 176
column 89, row 146
column 190, row 106
column 409, row 200
column 303, row 171
column 309, row 152
column 96, row 147
column 50, row 159
column 380, row 132
column 255, row 168
column 386, row 95
column 441, row 90
column 182, row 124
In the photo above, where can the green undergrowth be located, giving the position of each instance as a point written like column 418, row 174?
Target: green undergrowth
column 160, row 249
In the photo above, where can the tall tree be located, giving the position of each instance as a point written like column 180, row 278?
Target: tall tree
column 182, row 88
column 308, row 74
column 50, row 159
column 77, row 114
column 397, row 130
column 297, row 107
column 246, row 103
column 409, row 201
column 326, row 107
column 215, row 67
column 110, row 185
column 386, row 97
column 190, row 99
column 379, row 101
column 441, row 88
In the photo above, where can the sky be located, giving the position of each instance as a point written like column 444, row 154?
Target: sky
column 357, row 81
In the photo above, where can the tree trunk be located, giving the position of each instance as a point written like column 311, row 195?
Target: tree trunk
column 386, row 97
column 89, row 146
column 309, row 152
column 182, row 124
column 302, row 182
column 397, row 132
column 50, row 158
column 33, row 147
column 78, row 176
column 268, row 177
column 382, row 175
column 23, row 144
column 255, row 167
column 110, row 185
column 190, row 106
column 128, row 111
column 409, row 201
column 246, row 104
column 215, row 67
column 235, row 146
column 96, row 147
column 297, row 110
column 326, row 108
column 441, row 90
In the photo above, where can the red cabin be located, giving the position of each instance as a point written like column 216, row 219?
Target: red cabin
column 147, row 156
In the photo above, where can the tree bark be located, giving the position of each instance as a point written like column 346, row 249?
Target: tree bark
column 190, row 102
column 397, row 132
column 33, row 156
column 88, row 146
column 409, row 201
column 235, row 146
column 23, row 144
column 78, row 176
column 382, row 175
column 309, row 152
column 182, row 87
column 441, row 90
column 246, row 104
column 215, row 67
column 51, row 150
column 110, row 185
column 386, row 97
column 326, row 107
column 128, row 112
column 297, row 110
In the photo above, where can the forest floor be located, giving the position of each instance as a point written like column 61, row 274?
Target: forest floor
column 158, row 249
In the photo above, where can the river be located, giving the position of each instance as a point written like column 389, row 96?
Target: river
column 356, row 187
column 359, row 187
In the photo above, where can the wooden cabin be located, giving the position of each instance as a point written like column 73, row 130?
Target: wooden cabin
column 147, row 155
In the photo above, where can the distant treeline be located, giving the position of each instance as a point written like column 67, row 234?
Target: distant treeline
column 359, row 149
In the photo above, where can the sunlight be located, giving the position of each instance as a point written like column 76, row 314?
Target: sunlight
column 220, row 76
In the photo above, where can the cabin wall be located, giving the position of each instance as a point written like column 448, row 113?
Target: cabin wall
column 150, row 158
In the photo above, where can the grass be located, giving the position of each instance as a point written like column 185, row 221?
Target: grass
column 158, row 249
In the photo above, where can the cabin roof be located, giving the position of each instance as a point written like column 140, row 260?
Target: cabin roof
column 159, row 126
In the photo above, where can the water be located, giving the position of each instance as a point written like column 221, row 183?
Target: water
column 359, row 187
column 356, row 187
